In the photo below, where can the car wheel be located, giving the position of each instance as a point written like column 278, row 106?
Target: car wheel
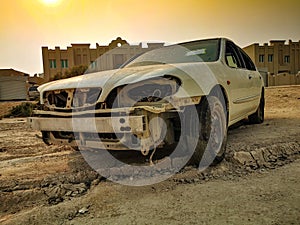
column 212, row 137
column 258, row 116
column 46, row 137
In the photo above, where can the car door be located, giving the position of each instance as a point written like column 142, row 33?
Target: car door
column 255, row 81
column 239, row 82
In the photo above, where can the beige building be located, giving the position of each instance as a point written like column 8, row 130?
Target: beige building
column 112, row 56
column 13, row 85
column 276, row 57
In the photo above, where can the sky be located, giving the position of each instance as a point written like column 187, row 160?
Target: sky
column 27, row 25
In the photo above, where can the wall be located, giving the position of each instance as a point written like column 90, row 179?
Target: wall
column 13, row 88
column 283, row 79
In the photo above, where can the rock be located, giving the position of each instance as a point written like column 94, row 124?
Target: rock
column 244, row 158
column 54, row 200
column 258, row 157
column 69, row 193
column 55, row 192
column 74, row 193
column 83, row 210
column 291, row 149
column 268, row 157
column 196, row 180
column 277, row 151
column 81, row 188
column 95, row 182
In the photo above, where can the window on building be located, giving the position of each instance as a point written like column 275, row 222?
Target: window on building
column 78, row 60
column 64, row 63
column 286, row 59
column 52, row 63
column 280, row 57
column 270, row 58
column 85, row 61
column 261, row 58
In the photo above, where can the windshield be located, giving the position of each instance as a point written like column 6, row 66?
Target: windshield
column 196, row 51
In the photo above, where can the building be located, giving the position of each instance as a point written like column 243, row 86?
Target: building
column 13, row 85
column 276, row 57
column 280, row 61
column 113, row 55
column 35, row 80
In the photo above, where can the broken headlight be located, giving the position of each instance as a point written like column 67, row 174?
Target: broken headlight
column 152, row 90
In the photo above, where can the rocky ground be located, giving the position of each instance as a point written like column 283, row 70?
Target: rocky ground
column 257, row 183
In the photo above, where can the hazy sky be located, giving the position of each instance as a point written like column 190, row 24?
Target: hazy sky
column 27, row 25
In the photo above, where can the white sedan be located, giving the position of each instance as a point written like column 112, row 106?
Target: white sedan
column 183, row 95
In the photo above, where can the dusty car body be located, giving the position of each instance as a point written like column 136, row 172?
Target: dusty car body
column 139, row 106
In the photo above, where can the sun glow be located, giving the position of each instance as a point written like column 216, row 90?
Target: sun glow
column 51, row 2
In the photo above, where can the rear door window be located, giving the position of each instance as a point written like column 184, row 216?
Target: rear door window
column 248, row 63
column 232, row 56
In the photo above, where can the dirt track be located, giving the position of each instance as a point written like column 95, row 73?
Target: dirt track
column 42, row 184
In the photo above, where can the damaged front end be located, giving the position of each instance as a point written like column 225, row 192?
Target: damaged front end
column 138, row 116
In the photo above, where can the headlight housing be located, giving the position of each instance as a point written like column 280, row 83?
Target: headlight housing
column 148, row 91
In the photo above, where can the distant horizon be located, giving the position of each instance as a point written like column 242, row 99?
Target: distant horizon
column 27, row 26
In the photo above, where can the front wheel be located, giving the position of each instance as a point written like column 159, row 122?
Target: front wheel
column 212, row 137
column 46, row 137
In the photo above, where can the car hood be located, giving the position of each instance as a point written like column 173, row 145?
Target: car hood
column 108, row 80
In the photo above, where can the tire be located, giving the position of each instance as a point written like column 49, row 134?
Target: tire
column 258, row 116
column 46, row 137
column 212, row 138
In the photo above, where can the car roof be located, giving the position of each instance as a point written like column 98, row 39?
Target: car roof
column 207, row 39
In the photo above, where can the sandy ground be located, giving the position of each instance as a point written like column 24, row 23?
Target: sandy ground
column 42, row 184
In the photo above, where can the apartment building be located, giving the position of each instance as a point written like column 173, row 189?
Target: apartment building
column 112, row 56
column 277, row 57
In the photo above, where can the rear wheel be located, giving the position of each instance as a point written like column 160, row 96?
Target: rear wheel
column 258, row 116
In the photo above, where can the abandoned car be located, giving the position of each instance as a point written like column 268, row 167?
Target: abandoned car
column 184, row 95
column 33, row 92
